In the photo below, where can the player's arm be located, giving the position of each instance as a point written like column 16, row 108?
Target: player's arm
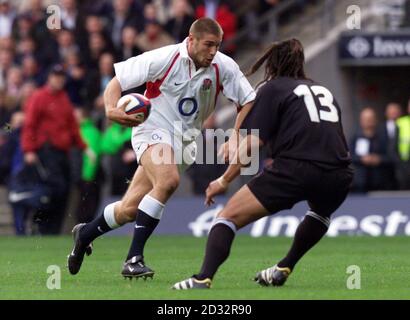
column 228, row 149
column 263, row 116
column 112, row 94
column 131, row 73
column 221, row 184
column 243, row 112
column 238, row 90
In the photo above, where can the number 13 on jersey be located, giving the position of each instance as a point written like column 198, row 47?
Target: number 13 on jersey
column 325, row 99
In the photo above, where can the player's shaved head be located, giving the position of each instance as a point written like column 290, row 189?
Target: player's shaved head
column 283, row 59
column 205, row 37
column 205, row 25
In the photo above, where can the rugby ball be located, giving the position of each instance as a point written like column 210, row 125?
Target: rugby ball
column 138, row 106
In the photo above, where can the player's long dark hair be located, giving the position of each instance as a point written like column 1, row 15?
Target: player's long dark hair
column 283, row 59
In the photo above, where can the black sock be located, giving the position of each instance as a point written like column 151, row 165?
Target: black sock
column 218, row 247
column 144, row 227
column 94, row 229
column 308, row 233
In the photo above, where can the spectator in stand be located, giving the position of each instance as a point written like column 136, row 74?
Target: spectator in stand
column 6, row 62
column 7, row 43
column 220, row 11
column 129, row 47
column 11, row 152
column 97, row 45
column 248, row 14
column 69, row 14
column 101, row 7
column 392, row 113
column 9, row 105
column 49, row 50
column 153, row 37
column 96, row 83
column 66, row 44
column 124, row 15
column 7, row 16
column 5, row 117
column 92, row 24
column 35, row 9
column 116, row 142
column 403, row 168
column 75, row 77
column 150, row 11
column 163, row 10
column 370, row 155
column 181, row 20
column 6, row 110
column 49, row 132
column 8, row 126
column 91, row 174
column 129, row 50
column 27, row 91
column 14, row 83
column 22, row 27
column 31, row 70
column 27, row 47
column 12, row 164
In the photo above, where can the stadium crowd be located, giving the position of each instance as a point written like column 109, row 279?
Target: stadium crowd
column 53, row 132
column 381, row 150
column 54, row 135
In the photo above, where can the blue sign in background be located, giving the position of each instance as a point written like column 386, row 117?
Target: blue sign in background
column 375, row 49
column 359, row 215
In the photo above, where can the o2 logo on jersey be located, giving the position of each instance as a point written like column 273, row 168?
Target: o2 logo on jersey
column 325, row 99
column 188, row 106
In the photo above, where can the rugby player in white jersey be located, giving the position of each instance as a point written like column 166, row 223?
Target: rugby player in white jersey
column 183, row 82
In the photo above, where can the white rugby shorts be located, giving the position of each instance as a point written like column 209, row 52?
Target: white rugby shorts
column 184, row 151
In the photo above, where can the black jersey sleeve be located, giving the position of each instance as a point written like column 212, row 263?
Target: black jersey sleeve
column 264, row 114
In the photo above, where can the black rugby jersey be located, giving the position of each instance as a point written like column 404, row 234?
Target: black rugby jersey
column 299, row 119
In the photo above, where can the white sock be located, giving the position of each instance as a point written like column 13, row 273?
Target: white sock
column 151, row 207
column 109, row 215
column 226, row 222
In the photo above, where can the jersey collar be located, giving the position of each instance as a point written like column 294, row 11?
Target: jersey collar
column 183, row 53
column 183, row 49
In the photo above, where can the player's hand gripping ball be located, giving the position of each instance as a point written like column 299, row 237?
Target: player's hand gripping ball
column 138, row 106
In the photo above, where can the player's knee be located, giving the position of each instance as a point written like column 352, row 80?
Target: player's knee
column 230, row 215
column 169, row 184
column 126, row 212
column 130, row 214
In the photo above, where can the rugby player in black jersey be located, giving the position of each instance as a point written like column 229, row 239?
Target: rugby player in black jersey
column 300, row 122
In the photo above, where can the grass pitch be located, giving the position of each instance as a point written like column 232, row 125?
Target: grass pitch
column 322, row 274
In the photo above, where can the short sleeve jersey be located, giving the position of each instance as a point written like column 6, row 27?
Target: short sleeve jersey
column 299, row 119
column 178, row 92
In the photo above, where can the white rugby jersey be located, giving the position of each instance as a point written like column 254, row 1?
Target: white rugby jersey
column 179, row 92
